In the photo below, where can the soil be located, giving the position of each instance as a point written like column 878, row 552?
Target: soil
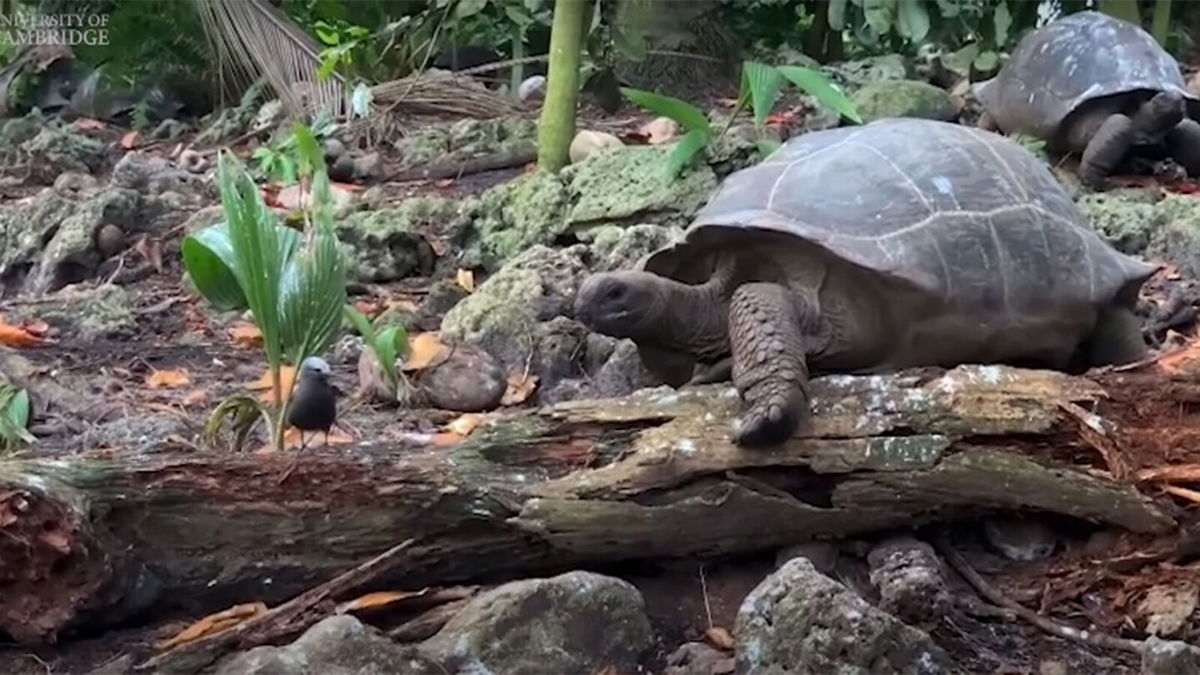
column 176, row 332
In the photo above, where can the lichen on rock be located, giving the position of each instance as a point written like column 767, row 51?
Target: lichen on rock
column 903, row 98
column 390, row 243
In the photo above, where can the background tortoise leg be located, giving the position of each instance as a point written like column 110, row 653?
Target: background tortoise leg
column 987, row 123
column 1184, row 141
column 672, row 368
column 766, row 333
column 1108, row 145
column 1116, row 339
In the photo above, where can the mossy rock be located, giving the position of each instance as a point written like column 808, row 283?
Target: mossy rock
column 616, row 248
column 903, row 98
column 855, row 74
column 468, row 137
column 87, row 314
column 1125, row 218
column 390, row 244
column 1177, row 233
column 618, row 186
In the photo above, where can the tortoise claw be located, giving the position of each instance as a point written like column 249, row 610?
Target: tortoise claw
column 772, row 423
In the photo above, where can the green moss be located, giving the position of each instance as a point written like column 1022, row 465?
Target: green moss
column 1177, row 236
column 1125, row 218
column 389, row 244
column 91, row 314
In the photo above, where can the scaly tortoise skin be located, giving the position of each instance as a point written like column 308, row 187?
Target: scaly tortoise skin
column 901, row 243
column 1096, row 86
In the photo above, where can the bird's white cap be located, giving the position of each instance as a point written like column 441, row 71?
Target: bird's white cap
column 315, row 364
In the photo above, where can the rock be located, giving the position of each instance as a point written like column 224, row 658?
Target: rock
column 442, row 297
column 660, row 130
column 904, row 98
column 910, row 579
column 587, row 143
column 470, row 380
column 58, row 148
column 560, row 346
column 149, row 174
column 492, row 136
column 71, row 183
column 566, row 390
column 1149, row 222
column 1169, row 657
column 532, row 88
column 193, row 162
column 368, row 166
column 1020, row 538
column 137, row 433
column 698, row 658
column 503, row 313
column 230, row 123
column 618, row 187
column 858, row 73
column 342, row 169
column 169, row 130
column 339, row 645
column 89, row 313
column 110, row 240
column 49, row 241
column 822, row 554
column 1177, row 235
column 615, row 248
column 391, row 244
column 578, row 622
column 799, row 620
column 598, row 350
column 623, row 373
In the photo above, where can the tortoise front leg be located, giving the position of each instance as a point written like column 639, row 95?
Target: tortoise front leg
column 1105, row 150
column 1184, row 142
column 766, row 332
column 987, row 123
column 720, row 371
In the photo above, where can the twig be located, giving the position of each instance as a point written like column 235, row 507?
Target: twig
column 991, row 594
column 1184, row 493
column 290, row 618
column 704, row 591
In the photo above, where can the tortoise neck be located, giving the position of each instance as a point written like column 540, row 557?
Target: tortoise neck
column 697, row 317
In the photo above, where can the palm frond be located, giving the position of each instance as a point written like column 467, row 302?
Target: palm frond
column 256, row 39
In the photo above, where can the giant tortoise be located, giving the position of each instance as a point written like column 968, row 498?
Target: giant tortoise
column 901, row 243
column 1096, row 86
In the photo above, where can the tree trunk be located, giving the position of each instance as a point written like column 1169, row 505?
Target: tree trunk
column 557, row 127
column 90, row 540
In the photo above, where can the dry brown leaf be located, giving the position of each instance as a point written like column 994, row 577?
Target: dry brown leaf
column 465, row 424
column 424, row 351
column 158, row 379
column 129, row 140
column 1182, row 361
column 263, row 384
column 445, row 439
column 16, row 336
column 246, row 334
column 465, row 280
column 214, row 623
column 520, row 388
column 292, row 198
column 197, row 397
column 151, row 252
column 720, row 638
column 378, row 600
column 1167, row 607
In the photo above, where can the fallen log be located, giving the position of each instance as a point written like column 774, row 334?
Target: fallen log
column 92, row 539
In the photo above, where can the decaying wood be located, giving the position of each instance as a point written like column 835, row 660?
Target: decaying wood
column 456, row 167
column 577, row 484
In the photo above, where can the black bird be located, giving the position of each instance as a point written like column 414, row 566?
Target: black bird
column 314, row 407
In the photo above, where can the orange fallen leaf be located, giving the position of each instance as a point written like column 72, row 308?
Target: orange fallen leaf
column 14, row 336
column 129, row 140
column 1176, row 472
column 720, row 638
column 88, row 123
column 465, row 279
column 368, row 308
column 214, row 623
column 197, row 397
column 465, row 424
column 520, row 387
column 246, row 334
column 443, row 183
column 424, row 351
column 1181, row 361
column 378, row 600
column 445, row 438
column 263, row 384
column 157, row 379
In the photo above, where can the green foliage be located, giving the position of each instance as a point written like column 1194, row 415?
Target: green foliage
column 14, row 418
column 284, row 161
column 760, row 89
column 293, row 285
column 387, row 345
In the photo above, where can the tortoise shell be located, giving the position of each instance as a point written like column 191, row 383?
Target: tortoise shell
column 966, row 216
column 1074, row 60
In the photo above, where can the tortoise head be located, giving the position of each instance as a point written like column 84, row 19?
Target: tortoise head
column 622, row 304
column 1161, row 113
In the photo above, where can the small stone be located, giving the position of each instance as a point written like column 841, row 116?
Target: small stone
column 904, row 98
column 623, row 373
column 192, row 161
column 911, row 581
column 110, row 240
column 587, row 143
column 1169, row 657
column 1020, row 539
column 699, row 658
column 799, row 620
column 368, row 166
column 341, row 170
column 560, row 346
column 578, row 622
column 442, row 297
column 470, row 380
column 533, row 88
column 659, row 130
